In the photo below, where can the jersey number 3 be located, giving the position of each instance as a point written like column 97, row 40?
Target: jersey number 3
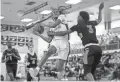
column 90, row 29
column 33, row 62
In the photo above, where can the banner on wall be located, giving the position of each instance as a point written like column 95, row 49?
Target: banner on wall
column 16, row 28
column 4, row 27
column 4, row 39
column 17, row 40
column 12, row 28
column 13, row 40
column 29, row 40
column 21, row 41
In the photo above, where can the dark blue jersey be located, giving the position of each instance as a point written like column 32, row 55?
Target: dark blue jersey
column 32, row 60
column 8, row 54
column 87, row 32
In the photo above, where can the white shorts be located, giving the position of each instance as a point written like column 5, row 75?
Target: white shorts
column 34, row 71
column 63, row 48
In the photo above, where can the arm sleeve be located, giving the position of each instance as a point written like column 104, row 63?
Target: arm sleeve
column 73, row 28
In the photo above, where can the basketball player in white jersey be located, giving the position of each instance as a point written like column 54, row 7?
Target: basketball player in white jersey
column 58, row 44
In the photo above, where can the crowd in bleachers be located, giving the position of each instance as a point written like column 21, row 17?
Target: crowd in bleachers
column 109, row 38
column 108, row 41
column 109, row 66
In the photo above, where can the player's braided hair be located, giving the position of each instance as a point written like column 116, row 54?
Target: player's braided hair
column 84, row 15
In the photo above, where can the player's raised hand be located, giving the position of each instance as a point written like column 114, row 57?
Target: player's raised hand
column 101, row 6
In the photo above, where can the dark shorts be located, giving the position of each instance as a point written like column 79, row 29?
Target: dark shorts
column 91, row 59
column 29, row 78
column 11, row 68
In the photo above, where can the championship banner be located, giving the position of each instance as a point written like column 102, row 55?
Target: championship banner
column 29, row 40
column 16, row 28
column 4, row 40
column 18, row 42
column 4, row 27
column 13, row 40
column 21, row 41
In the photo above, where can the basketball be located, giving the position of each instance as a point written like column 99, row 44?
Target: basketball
column 38, row 27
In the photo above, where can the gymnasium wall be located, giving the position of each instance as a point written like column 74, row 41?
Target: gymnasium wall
column 37, row 41
column 21, row 49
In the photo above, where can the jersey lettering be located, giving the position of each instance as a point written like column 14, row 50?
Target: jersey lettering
column 90, row 29
column 9, row 55
column 33, row 60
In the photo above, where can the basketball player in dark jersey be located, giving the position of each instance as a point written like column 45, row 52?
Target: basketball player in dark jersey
column 11, row 57
column 31, row 61
column 87, row 32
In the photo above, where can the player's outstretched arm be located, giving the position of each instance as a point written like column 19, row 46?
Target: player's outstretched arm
column 38, row 21
column 100, row 13
column 60, row 33
column 43, row 37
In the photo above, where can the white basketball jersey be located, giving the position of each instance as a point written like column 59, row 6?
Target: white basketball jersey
column 61, row 27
